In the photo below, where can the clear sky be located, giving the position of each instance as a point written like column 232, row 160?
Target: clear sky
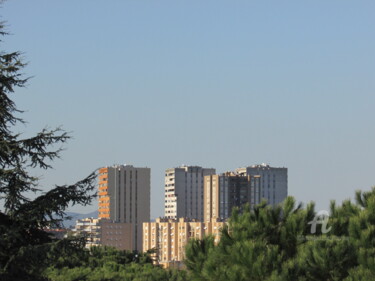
column 220, row 84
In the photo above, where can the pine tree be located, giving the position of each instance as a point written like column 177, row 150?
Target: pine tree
column 197, row 252
column 25, row 248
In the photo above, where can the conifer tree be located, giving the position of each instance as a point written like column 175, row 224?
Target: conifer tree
column 275, row 243
column 25, row 248
column 197, row 252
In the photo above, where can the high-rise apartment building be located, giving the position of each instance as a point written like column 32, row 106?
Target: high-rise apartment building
column 228, row 190
column 184, row 192
column 169, row 237
column 274, row 181
column 124, row 197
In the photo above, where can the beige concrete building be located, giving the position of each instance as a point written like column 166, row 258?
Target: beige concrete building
column 228, row 190
column 169, row 237
column 124, row 197
column 274, row 181
column 184, row 192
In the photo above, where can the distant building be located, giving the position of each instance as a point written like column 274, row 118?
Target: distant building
column 224, row 192
column 90, row 228
column 58, row 233
column 184, row 192
column 169, row 237
column 118, row 235
column 124, row 197
column 274, row 181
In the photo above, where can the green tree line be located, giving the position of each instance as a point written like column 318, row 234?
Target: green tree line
column 106, row 263
column 278, row 244
column 273, row 243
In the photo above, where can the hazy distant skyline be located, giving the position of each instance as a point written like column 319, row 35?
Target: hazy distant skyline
column 221, row 84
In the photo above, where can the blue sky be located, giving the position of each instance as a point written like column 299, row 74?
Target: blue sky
column 220, row 84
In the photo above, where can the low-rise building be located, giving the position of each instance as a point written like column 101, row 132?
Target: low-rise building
column 57, row 233
column 90, row 228
column 117, row 234
column 169, row 237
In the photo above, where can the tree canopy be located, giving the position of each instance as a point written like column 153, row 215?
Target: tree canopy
column 25, row 248
column 277, row 243
column 105, row 263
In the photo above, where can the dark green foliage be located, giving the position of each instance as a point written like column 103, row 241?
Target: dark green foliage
column 25, row 249
column 116, row 272
column 276, row 243
column 105, row 263
column 197, row 252
column 99, row 256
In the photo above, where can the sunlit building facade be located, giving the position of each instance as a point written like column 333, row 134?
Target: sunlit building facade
column 124, row 197
column 169, row 237
column 89, row 228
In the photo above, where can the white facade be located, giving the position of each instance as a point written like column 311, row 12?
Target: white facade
column 184, row 192
column 274, row 181
column 90, row 228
